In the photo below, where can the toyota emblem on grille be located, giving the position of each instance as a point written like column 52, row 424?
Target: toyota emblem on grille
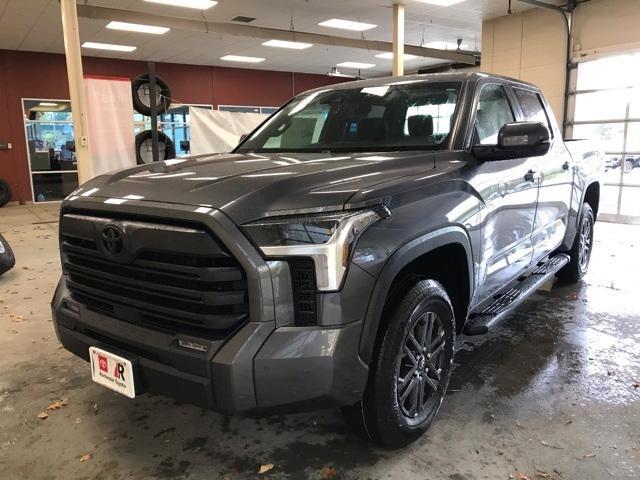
column 113, row 239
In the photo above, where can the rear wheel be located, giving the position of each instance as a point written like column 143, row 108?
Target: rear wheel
column 410, row 375
column 582, row 247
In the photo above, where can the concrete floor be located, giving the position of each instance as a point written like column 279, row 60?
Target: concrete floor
column 554, row 393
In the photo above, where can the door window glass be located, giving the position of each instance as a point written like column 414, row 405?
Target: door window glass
column 532, row 107
column 493, row 112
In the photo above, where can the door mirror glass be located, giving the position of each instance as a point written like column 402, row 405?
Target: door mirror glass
column 516, row 140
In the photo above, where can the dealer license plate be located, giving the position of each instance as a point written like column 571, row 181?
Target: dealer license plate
column 112, row 371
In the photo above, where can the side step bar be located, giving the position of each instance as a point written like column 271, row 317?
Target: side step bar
column 490, row 313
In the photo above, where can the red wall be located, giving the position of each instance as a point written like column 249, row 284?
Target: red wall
column 44, row 75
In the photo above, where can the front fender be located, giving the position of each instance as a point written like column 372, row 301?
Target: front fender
column 452, row 234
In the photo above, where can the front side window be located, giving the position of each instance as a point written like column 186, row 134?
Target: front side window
column 493, row 112
column 531, row 106
column 388, row 117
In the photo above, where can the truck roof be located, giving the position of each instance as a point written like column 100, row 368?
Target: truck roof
column 421, row 77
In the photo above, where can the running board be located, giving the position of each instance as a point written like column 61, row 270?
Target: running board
column 490, row 313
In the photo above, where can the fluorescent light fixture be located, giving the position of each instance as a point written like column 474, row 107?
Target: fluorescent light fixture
column 356, row 65
column 136, row 27
column 347, row 25
column 440, row 45
column 199, row 4
column 442, row 3
column 285, row 44
column 48, row 104
column 108, row 46
column 389, row 56
column 240, row 58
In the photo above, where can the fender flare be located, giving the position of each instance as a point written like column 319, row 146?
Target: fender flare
column 404, row 255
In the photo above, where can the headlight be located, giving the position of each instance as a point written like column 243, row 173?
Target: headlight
column 326, row 238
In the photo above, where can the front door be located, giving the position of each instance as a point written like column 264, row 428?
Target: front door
column 555, row 174
column 510, row 194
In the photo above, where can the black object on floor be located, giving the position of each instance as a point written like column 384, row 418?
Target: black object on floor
column 7, row 259
column 5, row 193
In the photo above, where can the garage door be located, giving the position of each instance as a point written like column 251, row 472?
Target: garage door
column 607, row 110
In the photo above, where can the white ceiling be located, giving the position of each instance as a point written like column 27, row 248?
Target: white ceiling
column 35, row 25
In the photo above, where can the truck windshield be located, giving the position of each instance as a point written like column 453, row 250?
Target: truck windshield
column 397, row 116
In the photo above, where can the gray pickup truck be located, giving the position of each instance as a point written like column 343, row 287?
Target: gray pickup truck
column 334, row 256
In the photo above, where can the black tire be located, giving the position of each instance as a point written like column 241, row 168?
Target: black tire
column 140, row 92
column 7, row 259
column 581, row 249
column 387, row 410
column 166, row 148
column 5, row 193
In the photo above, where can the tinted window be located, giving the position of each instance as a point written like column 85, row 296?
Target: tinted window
column 531, row 106
column 493, row 112
column 391, row 117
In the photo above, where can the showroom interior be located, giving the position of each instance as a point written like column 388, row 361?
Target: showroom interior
column 244, row 293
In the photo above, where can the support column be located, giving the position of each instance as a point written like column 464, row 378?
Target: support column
column 71, row 35
column 398, row 39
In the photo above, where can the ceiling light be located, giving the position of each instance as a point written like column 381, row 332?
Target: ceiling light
column 389, row 56
column 136, row 27
column 285, row 44
column 240, row 58
column 442, row 3
column 347, row 25
column 355, row 65
column 108, row 46
column 199, row 4
column 48, row 104
column 440, row 45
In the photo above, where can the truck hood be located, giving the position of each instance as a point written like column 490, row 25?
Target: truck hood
column 251, row 186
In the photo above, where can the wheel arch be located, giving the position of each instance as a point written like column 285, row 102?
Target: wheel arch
column 592, row 197
column 444, row 255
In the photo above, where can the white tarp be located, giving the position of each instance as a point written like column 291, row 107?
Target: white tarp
column 110, row 123
column 213, row 131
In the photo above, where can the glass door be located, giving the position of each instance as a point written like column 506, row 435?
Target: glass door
column 50, row 148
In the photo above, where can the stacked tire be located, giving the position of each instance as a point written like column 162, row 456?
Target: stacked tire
column 5, row 193
column 140, row 89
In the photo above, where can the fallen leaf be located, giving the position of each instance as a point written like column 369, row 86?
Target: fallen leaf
column 328, row 473
column 42, row 415
column 85, row 457
column 265, row 467
column 95, row 408
column 568, row 422
column 542, row 474
column 520, row 425
column 547, row 444
column 58, row 404
column 589, row 455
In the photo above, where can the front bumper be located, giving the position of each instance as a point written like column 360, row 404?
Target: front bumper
column 260, row 367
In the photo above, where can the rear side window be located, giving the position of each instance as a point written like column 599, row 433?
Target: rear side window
column 532, row 106
column 493, row 112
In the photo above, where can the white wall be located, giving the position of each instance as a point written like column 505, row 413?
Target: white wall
column 529, row 46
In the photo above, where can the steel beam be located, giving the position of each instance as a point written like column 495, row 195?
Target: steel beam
column 202, row 26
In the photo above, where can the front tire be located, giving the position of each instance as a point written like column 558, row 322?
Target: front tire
column 411, row 371
column 582, row 247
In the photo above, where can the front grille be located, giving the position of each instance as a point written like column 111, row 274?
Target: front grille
column 169, row 278
column 303, row 284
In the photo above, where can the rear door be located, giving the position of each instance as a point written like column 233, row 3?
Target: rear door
column 554, row 172
column 509, row 194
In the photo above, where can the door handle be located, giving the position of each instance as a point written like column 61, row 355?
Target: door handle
column 530, row 176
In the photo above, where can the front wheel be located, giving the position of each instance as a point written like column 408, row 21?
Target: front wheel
column 411, row 372
column 582, row 247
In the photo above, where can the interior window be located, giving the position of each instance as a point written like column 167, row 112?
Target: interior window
column 531, row 106
column 493, row 112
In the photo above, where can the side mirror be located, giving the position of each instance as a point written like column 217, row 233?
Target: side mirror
column 516, row 140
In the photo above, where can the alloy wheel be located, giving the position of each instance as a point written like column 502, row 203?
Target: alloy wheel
column 586, row 239
column 420, row 367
